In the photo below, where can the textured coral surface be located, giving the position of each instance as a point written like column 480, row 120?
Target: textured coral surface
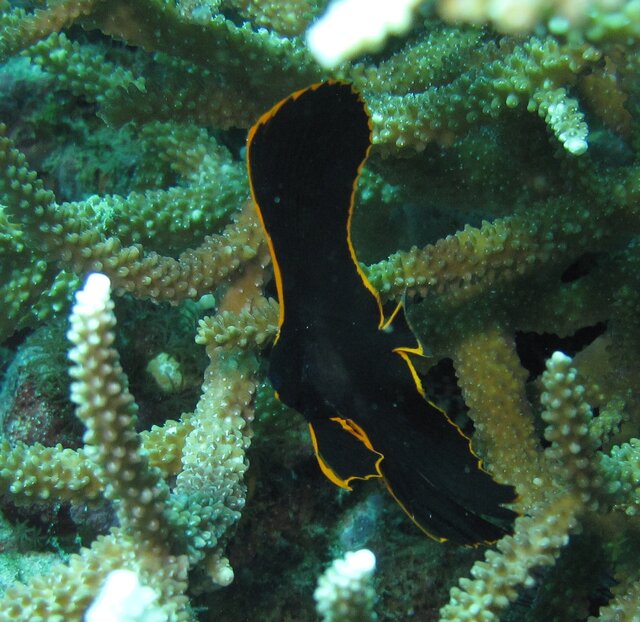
column 501, row 203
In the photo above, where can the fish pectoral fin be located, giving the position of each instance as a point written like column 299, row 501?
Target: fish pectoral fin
column 343, row 451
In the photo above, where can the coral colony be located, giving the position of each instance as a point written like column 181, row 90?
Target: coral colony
column 147, row 471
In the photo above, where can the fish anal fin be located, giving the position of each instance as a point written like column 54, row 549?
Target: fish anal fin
column 439, row 483
column 344, row 451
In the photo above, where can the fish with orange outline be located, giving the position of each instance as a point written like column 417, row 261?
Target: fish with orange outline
column 336, row 359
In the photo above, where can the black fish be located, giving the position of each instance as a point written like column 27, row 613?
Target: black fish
column 336, row 359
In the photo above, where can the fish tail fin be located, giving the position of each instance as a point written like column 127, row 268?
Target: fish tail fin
column 439, row 482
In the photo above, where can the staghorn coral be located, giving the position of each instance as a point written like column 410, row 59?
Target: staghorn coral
column 344, row 591
column 522, row 15
column 108, row 410
column 351, row 27
column 581, row 486
column 522, row 223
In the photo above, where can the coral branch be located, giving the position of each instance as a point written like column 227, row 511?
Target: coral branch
column 106, row 407
column 537, row 541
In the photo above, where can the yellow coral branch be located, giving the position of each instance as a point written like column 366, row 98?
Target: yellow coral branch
column 537, row 541
column 493, row 386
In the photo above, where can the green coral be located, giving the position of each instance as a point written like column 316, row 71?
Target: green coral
column 509, row 162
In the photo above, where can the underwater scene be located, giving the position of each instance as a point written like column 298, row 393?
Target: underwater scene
column 319, row 310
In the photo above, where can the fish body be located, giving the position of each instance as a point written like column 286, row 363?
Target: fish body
column 336, row 358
